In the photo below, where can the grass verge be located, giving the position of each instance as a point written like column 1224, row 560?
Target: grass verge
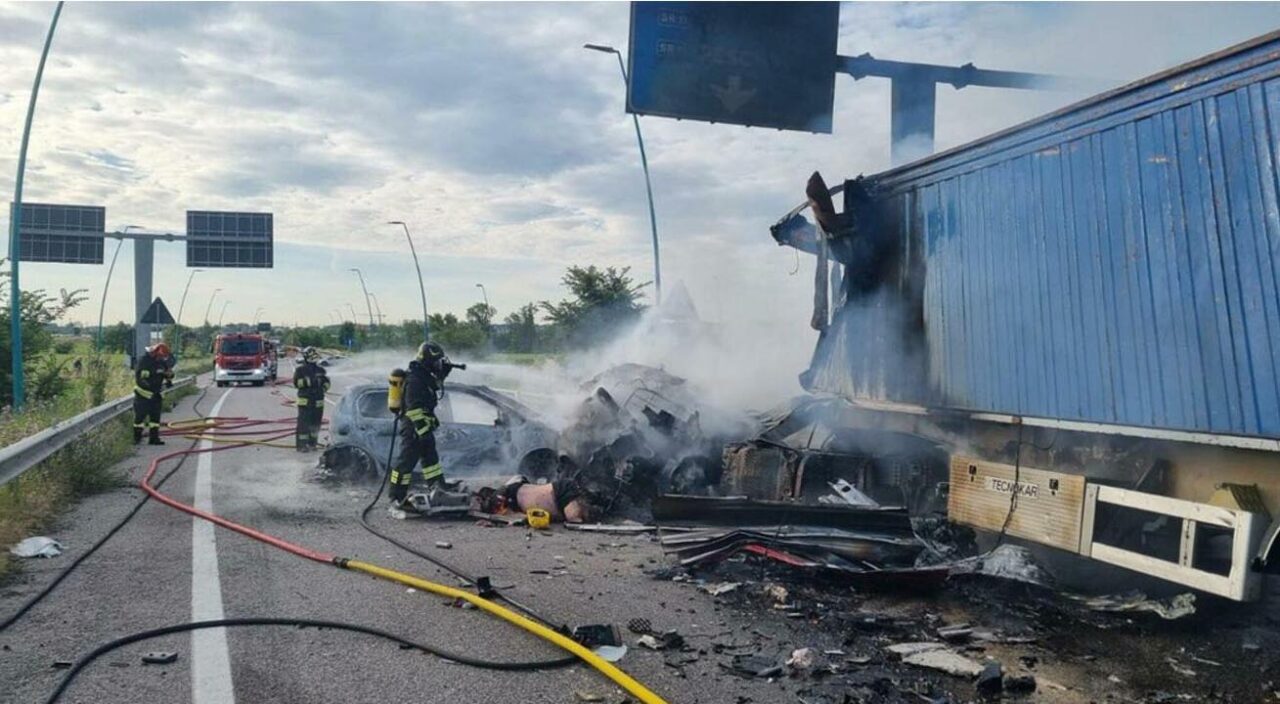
column 31, row 502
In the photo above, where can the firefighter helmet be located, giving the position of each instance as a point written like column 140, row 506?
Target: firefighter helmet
column 159, row 350
column 309, row 354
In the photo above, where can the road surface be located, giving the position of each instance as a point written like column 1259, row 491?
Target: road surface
column 167, row 567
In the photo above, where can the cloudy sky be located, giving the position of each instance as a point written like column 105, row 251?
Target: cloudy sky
column 492, row 132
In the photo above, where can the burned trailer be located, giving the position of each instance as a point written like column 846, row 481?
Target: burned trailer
column 483, row 434
column 1084, row 310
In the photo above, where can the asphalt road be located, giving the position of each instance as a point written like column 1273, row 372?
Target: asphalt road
column 143, row 579
column 168, row 568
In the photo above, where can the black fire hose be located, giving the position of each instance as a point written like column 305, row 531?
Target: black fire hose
column 468, row 579
column 105, row 648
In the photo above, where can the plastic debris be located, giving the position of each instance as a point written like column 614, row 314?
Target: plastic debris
column 611, row 653
column 587, row 696
column 38, row 546
column 444, row 545
column 802, row 659
column 756, row 666
column 160, row 658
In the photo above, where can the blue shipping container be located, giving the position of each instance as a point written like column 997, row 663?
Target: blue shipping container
column 1117, row 261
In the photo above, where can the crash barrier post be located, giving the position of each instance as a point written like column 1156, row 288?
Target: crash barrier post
column 21, row 456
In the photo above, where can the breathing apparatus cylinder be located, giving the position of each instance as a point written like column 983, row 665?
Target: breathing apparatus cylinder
column 395, row 391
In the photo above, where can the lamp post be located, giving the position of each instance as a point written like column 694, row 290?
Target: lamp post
column 210, row 306
column 15, row 226
column 334, row 317
column 224, row 312
column 644, row 163
column 185, row 289
column 366, row 295
column 378, row 306
column 485, row 294
column 256, row 314
column 352, row 308
column 102, row 307
column 426, row 324
column 341, row 319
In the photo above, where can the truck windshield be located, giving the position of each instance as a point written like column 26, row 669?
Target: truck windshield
column 241, row 348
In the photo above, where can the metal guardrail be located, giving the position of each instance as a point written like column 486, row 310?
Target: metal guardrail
column 30, row 451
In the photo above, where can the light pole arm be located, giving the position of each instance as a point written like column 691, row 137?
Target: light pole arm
column 422, row 289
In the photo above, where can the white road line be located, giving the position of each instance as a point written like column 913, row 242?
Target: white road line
column 210, row 658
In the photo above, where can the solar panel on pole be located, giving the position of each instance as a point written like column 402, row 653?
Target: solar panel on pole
column 230, row 239
column 65, row 234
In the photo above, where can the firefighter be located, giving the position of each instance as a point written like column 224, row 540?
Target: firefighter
column 148, row 381
column 422, row 387
column 311, row 381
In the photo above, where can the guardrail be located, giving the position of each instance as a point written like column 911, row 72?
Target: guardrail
column 30, row 451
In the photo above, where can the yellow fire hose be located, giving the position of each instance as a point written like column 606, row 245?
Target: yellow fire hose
column 603, row 666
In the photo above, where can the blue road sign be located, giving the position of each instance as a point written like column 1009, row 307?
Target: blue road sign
column 761, row 64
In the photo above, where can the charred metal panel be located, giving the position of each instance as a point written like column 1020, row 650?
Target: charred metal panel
column 1115, row 262
column 1048, row 508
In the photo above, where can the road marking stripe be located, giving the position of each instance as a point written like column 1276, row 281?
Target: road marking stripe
column 210, row 658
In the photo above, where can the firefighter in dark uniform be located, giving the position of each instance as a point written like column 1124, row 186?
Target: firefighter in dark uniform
column 149, row 377
column 422, row 387
column 311, row 381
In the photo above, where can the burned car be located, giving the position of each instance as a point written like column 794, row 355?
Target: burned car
column 482, row 434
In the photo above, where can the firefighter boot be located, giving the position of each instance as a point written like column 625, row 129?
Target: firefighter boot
column 155, row 435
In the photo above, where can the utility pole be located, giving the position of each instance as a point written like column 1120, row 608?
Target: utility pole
column 366, row 296
column 15, row 226
column 426, row 321
column 644, row 164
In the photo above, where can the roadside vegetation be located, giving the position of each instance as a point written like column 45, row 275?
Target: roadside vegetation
column 30, row 503
column 601, row 300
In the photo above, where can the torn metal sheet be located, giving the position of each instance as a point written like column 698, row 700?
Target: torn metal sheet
column 1174, row 607
column 737, row 511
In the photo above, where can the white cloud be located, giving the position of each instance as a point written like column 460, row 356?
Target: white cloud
column 491, row 131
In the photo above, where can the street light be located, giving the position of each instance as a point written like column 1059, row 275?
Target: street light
column 210, row 306
column 485, row 294
column 352, row 308
column 185, row 289
column 102, row 307
column 15, row 226
column 334, row 317
column 426, row 325
column 256, row 314
column 378, row 306
column 366, row 295
column 644, row 163
column 224, row 312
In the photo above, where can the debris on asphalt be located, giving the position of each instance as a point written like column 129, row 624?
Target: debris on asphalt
column 720, row 588
column 38, row 546
column 937, row 656
column 991, row 680
column 611, row 653
column 756, row 666
column 160, row 658
column 661, row 641
column 802, row 660
column 444, row 545
column 587, row 696
column 1020, row 685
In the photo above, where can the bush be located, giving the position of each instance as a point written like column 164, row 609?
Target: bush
column 97, row 373
column 64, row 346
column 50, row 380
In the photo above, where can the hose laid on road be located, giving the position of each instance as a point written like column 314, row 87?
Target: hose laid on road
column 121, row 642
column 66, row 571
column 606, row 668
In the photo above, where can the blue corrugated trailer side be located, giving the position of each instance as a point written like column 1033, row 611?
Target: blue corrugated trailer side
column 1115, row 262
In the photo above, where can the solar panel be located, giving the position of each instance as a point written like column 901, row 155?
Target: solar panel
column 228, row 239
column 66, row 234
